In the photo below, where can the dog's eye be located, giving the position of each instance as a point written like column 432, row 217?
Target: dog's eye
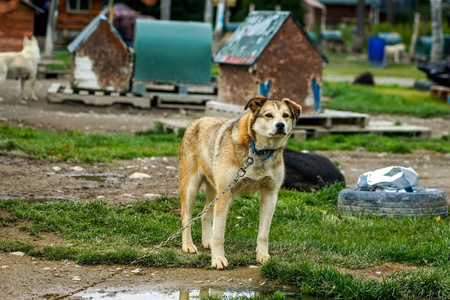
column 285, row 115
column 269, row 116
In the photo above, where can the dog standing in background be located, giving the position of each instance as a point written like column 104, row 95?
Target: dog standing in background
column 212, row 151
column 22, row 65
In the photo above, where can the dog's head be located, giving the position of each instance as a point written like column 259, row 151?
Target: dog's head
column 273, row 118
column 30, row 45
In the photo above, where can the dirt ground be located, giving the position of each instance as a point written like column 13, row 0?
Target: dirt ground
column 24, row 277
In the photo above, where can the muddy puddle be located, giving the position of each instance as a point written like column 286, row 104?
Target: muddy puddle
column 102, row 177
column 185, row 295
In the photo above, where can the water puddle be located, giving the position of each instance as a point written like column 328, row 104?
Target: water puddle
column 102, row 177
column 180, row 295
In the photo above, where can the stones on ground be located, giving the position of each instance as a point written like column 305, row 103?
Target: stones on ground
column 151, row 196
column 76, row 278
column 77, row 169
column 56, row 168
column 138, row 175
column 18, row 253
column 171, row 168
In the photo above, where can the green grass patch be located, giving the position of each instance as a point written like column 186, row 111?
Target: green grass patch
column 348, row 65
column 382, row 99
column 77, row 146
column 371, row 142
column 310, row 240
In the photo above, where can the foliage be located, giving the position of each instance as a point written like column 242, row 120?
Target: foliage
column 311, row 242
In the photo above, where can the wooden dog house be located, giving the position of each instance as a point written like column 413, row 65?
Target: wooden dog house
column 270, row 54
column 101, row 60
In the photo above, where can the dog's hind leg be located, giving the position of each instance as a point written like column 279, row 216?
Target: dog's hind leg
column 189, row 181
column 208, row 217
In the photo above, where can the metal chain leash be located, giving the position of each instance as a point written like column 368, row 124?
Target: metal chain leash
column 240, row 173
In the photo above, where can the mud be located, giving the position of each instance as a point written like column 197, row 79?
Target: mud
column 24, row 277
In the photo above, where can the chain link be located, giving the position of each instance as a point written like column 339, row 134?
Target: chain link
column 240, row 173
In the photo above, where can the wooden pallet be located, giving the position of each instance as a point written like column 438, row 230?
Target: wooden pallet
column 328, row 122
column 440, row 91
column 186, row 101
column 58, row 93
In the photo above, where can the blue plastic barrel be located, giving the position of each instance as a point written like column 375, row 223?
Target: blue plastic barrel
column 376, row 52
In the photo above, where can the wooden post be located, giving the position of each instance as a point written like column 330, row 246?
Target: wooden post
column 412, row 46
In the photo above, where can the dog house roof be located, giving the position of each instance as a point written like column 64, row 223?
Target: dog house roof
column 89, row 29
column 252, row 37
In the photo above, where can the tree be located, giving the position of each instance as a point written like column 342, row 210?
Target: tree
column 436, row 27
column 359, row 39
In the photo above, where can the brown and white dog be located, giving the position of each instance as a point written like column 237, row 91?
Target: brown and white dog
column 22, row 65
column 212, row 151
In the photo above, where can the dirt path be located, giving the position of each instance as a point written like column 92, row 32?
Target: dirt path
column 23, row 277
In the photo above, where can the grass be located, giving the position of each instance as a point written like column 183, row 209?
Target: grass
column 374, row 143
column 77, row 146
column 310, row 241
column 73, row 146
column 349, row 65
column 382, row 99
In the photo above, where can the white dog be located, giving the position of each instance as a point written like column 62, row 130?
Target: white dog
column 22, row 64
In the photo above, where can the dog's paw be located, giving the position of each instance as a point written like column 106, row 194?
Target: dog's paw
column 207, row 244
column 262, row 258
column 34, row 98
column 219, row 263
column 189, row 248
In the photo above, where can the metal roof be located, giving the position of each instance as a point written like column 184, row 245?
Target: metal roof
column 252, row 37
column 36, row 8
column 89, row 29
column 349, row 2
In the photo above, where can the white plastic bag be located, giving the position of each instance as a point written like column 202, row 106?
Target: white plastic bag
column 391, row 179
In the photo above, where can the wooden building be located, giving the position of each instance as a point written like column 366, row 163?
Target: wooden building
column 16, row 21
column 101, row 60
column 75, row 15
column 270, row 54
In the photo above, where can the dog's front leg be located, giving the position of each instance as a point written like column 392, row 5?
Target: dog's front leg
column 21, row 88
column 221, row 208
column 266, row 211
column 32, row 82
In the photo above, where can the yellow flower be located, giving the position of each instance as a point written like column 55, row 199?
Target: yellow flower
column 438, row 218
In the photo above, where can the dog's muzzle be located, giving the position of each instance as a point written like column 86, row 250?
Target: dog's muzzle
column 280, row 128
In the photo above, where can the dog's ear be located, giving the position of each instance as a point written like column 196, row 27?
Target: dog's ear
column 255, row 103
column 25, row 40
column 295, row 109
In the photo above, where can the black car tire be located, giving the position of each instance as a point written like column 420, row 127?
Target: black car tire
column 424, row 202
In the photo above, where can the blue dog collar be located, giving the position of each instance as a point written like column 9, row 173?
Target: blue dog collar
column 260, row 152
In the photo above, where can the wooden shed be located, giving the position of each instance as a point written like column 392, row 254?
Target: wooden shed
column 75, row 15
column 101, row 60
column 16, row 21
column 270, row 54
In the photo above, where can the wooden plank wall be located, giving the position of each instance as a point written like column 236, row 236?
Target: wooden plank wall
column 14, row 26
column 76, row 20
